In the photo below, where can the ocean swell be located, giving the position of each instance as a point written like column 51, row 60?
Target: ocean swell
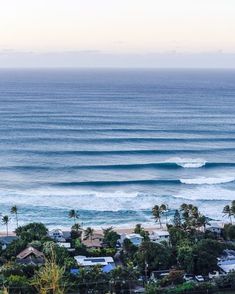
column 207, row 181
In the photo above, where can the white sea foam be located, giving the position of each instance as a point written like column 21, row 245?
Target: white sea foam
column 188, row 162
column 207, row 181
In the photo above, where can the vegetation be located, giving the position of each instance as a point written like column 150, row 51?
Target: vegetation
column 191, row 249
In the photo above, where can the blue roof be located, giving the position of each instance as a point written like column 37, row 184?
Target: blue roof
column 108, row 268
column 74, row 271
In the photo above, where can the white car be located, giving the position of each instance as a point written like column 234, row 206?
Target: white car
column 199, row 278
column 188, row 277
column 214, row 274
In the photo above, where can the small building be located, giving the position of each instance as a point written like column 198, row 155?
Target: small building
column 159, row 236
column 226, row 262
column 214, row 228
column 31, row 256
column 57, row 235
column 95, row 242
column 135, row 239
column 107, row 262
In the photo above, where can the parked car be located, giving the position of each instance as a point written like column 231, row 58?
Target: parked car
column 199, row 278
column 214, row 274
column 188, row 277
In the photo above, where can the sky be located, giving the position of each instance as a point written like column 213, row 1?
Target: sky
column 135, row 33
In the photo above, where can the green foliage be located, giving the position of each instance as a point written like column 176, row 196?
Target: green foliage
column 110, row 237
column 31, row 232
column 14, row 249
column 229, row 231
column 61, row 253
column 18, row 284
column 177, row 235
column 140, row 230
column 156, row 256
column 177, row 219
column 185, row 258
column 206, row 252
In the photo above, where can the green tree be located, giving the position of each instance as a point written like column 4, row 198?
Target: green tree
column 154, row 256
column 32, row 231
column 14, row 210
column 5, row 221
column 177, row 219
column 89, row 233
column 157, row 214
column 110, row 237
column 50, row 277
column 227, row 211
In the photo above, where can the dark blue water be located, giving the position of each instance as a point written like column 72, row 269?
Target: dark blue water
column 113, row 143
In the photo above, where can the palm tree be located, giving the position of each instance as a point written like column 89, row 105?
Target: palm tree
column 73, row 214
column 164, row 209
column 227, row 211
column 156, row 211
column 5, row 221
column 14, row 210
column 89, row 233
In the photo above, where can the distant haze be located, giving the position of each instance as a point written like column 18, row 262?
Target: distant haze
column 123, row 33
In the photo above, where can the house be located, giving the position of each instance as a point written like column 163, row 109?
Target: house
column 107, row 262
column 31, row 256
column 214, row 228
column 226, row 262
column 57, row 235
column 135, row 239
column 95, row 242
column 159, row 236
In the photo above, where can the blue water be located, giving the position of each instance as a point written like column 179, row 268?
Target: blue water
column 113, row 143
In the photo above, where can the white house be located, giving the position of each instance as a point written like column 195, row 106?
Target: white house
column 159, row 236
column 57, row 235
column 226, row 262
column 215, row 228
column 84, row 261
column 135, row 239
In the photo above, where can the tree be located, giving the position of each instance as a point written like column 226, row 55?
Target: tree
column 32, row 231
column 89, row 233
column 5, row 221
column 73, row 214
column 140, row 230
column 155, row 256
column 110, row 237
column 14, row 210
column 164, row 209
column 185, row 258
column 177, row 219
column 156, row 211
column 228, row 212
column 50, row 277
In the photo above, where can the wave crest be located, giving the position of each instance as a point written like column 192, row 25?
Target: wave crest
column 188, row 162
column 207, row 181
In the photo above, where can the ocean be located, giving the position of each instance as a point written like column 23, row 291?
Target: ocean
column 113, row 143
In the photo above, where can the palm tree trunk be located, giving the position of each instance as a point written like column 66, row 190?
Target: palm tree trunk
column 160, row 222
column 7, row 228
column 17, row 224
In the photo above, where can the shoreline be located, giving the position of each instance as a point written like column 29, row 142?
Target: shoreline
column 119, row 230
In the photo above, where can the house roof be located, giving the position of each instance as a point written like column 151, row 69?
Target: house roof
column 227, row 265
column 132, row 236
column 160, row 233
column 29, row 251
column 92, row 261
